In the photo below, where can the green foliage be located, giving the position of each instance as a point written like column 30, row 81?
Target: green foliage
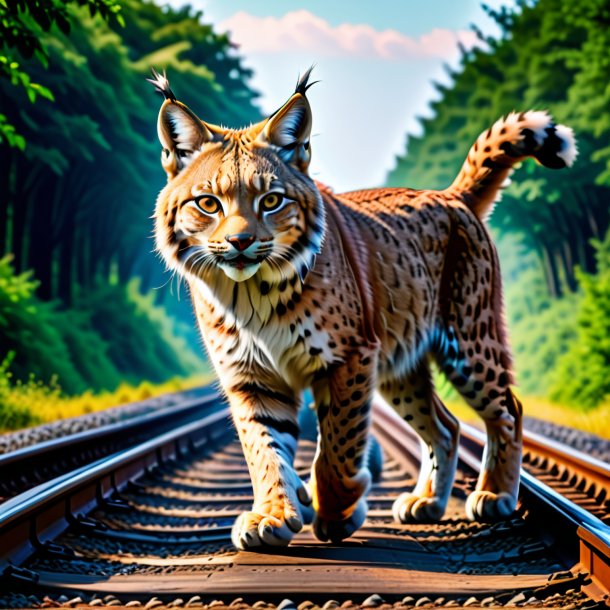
column 31, row 402
column 139, row 336
column 170, row 329
column 109, row 336
column 14, row 409
column 90, row 355
column 91, row 166
column 582, row 373
column 22, row 23
column 11, row 71
column 29, row 329
column 590, row 63
column 540, row 338
column 19, row 20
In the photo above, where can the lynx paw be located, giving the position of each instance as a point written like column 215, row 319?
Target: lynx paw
column 409, row 507
column 335, row 531
column 253, row 529
column 489, row 506
column 274, row 524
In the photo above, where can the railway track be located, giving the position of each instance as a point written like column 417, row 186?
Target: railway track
column 582, row 479
column 32, row 465
column 150, row 525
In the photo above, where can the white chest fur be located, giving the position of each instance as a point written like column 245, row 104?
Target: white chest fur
column 289, row 344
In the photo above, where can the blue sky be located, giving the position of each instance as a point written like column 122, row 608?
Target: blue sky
column 376, row 62
column 408, row 16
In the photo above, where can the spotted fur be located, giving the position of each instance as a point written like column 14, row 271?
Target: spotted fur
column 345, row 295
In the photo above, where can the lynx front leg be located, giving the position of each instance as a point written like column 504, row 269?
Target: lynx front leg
column 340, row 476
column 266, row 421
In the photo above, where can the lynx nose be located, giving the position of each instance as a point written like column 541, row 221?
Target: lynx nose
column 240, row 241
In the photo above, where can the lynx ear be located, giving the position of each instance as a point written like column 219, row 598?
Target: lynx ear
column 181, row 132
column 289, row 128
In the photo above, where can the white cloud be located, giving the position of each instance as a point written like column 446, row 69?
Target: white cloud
column 302, row 31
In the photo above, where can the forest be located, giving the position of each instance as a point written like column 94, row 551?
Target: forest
column 86, row 308
column 552, row 227
column 84, row 304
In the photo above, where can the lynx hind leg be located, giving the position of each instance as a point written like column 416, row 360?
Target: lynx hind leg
column 414, row 399
column 477, row 367
column 340, row 477
column 474, row 354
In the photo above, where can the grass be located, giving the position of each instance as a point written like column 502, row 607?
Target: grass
column 595, row 421
column 31, row 403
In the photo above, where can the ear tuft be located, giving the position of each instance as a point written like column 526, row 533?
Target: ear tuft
column 161, row 85
column 302, row 84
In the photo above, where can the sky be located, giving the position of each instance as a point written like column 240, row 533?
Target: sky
column 376, row 62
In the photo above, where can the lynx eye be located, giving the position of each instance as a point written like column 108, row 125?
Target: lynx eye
column 271, row 201
column 208, row 205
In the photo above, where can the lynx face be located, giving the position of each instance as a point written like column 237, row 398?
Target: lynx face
column 238, row 201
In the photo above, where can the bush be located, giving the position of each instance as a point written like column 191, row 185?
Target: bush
column 89, row 353
column 24, row 404
column 139, row 336
column 583, row 373
column 29, row 329
column 113, row 334
column 182, row 337
column 539, row 340
column 15, row 410
column 540, row 328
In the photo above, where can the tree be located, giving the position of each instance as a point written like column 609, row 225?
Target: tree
column 80, row 196
column 81, row 174
column 22, row 23
column 582, row 373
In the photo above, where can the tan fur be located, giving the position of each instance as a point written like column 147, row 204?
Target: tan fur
column 345, row 294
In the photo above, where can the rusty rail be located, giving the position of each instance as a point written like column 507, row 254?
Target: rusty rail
column 31, row 521
column 29, row 466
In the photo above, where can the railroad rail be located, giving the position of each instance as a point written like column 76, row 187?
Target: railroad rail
column 575, row 486
column 29, row 466
column 150, row 524
column 581, row 478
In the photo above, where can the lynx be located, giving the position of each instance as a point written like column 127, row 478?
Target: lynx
column 295, row 288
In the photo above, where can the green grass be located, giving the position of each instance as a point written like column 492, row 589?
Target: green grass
column 595, row 420
column 25, row 404
column 31, row 403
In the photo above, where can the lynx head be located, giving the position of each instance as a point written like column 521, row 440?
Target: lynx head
column 238, row 201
